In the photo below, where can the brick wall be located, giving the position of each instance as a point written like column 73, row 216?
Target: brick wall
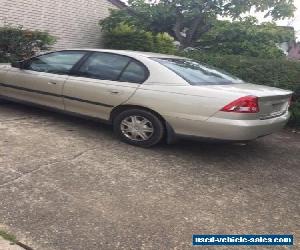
column 73, row 22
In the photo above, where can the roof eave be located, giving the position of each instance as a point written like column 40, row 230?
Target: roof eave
column 118, row 3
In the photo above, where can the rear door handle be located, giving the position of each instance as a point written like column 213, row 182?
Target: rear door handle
column 52, row 83
column 114, row 92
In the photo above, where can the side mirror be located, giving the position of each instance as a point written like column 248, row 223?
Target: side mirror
column 18, row 64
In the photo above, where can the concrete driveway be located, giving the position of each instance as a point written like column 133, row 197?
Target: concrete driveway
column 67, row 183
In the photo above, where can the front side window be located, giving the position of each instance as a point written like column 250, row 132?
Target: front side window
column 104, row 66
column 196, row 73
column 57, row 62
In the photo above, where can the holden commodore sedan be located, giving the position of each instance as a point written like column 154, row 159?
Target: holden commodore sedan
column 147, row 97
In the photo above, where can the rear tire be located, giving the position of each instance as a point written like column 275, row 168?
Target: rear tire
column 2, row 101
column 138, row 127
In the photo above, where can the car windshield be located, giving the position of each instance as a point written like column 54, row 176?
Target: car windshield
column 196, row 73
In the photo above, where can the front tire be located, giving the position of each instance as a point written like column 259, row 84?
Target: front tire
column 139, row 127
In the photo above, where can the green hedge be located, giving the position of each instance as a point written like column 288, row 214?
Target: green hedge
column 17, row 43
column 279, row 73
column 127, row 37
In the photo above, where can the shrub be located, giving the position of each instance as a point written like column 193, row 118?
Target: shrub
column 128, row 37
column 164, row 43
column 17, row 43
column 279, row 73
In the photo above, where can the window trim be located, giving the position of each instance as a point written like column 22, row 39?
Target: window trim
column 123, row 70
column 75, row 70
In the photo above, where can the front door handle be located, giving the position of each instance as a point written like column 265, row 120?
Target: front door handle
column 52, row 83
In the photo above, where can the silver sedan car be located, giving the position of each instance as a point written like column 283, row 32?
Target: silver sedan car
column 147, row 97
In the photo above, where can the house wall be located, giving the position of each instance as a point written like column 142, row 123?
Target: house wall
column 74, row 22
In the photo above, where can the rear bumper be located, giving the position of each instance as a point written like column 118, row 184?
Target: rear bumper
column 227, row 129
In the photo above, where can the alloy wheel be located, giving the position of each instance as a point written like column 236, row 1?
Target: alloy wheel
column 137, row 128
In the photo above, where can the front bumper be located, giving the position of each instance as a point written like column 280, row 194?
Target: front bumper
column 228, row 129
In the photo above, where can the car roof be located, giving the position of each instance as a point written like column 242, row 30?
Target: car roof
column 130, row 53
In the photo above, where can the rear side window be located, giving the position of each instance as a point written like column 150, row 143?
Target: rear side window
column 104, row 66
column 134, row 72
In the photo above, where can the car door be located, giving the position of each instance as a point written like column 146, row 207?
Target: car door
column 42, row 78
column 103, row 81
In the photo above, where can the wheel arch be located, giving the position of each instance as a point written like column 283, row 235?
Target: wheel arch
column 118, row 109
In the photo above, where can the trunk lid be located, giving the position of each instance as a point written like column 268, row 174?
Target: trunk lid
column 251, row 89
column 272, row 101
column 4, row 66
column 272, row 106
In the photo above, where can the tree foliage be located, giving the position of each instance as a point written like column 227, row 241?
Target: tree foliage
column 188, row 20
column 117, row 17
column 245, row 37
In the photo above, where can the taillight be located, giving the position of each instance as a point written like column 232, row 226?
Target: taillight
column 246, row 104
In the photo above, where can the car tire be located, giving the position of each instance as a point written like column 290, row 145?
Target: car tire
column 139, row 127
column 2, row 101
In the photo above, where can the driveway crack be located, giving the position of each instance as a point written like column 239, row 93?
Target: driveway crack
column 47, row 165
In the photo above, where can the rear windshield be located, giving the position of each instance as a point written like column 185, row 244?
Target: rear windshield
column 196, row 73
